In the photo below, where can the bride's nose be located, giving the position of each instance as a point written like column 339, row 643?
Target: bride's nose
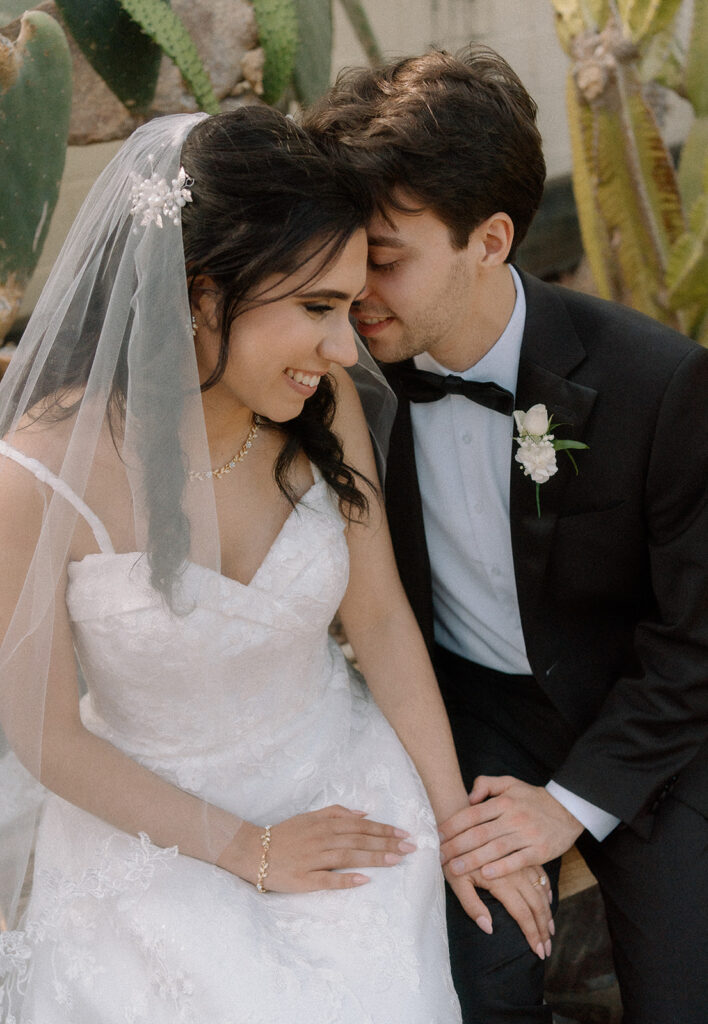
column 340, row 344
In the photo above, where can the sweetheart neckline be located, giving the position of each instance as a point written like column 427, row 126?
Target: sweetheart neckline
column 94, row 555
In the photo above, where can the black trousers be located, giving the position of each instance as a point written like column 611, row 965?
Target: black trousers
column 655, row 891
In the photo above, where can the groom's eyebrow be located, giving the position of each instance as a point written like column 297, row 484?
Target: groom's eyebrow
column 386, row 241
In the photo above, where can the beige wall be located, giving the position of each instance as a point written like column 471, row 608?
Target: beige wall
column 521, row 30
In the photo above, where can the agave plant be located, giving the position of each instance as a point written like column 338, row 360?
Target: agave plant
column 296, row 36
column 124, row 40
column 644, row 226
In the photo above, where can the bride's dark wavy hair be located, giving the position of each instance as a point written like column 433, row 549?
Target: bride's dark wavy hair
column 266, row 201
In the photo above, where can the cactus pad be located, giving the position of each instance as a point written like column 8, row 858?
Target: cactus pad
column 35, row 104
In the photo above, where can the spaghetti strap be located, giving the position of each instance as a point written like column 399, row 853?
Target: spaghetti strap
column 60, row 487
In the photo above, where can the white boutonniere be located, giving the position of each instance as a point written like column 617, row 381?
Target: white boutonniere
column 538, row 446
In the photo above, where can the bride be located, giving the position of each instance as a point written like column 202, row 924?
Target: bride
column 230, row 827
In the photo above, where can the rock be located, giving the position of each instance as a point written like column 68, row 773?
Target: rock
column 252, row 64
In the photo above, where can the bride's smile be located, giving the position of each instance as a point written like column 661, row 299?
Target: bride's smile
column 289, row 336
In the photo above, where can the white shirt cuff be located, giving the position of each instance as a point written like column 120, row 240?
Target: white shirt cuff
column 599, row 823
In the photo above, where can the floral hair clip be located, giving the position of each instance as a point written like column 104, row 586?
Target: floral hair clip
column 152, row 198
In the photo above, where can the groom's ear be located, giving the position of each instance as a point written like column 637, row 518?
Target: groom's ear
column 496, row 234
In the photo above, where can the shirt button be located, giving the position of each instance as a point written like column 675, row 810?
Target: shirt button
column 467, row 438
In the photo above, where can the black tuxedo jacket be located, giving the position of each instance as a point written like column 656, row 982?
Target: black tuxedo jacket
column 612, row 579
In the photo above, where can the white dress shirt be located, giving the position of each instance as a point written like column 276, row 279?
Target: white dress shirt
column 462, row 453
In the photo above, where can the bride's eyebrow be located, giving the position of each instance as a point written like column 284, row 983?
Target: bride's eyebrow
column 326, row 293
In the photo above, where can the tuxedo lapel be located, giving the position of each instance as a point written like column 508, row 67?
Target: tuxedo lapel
column 404, row 508
column 550, row 351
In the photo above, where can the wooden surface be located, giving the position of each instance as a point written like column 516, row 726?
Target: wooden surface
column 575, row 875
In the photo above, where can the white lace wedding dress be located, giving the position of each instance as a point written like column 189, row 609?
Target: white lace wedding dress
column 119, row 930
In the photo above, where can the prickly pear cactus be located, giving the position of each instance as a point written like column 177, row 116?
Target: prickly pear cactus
column 35, row 102
column 278, row 33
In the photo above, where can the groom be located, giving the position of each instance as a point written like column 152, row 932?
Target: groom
column 567, row 613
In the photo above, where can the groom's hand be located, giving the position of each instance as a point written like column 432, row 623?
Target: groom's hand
column 508, row 825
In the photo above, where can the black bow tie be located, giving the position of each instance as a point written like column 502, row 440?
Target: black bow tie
column 421, row 386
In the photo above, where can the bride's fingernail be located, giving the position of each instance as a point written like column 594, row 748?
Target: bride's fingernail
column 400, row 833
column 552, row 927
column 548, row 947
column 359, row 879
column 392, row 858
column 407, row 847
column 485, row 924
column 457, row 867
column 540, row 952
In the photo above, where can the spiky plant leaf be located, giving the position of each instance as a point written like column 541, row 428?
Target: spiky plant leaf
column 697, row 60
column 687, row 272
column 643, row 18
column 359, row 21
column 636, row 192
column 577, row 17
column 167, row 30
column 662, row 60
column 278, row 34
column 116, row 47
column 700, row 333
column 35, row 105
column 595, row 13
column 314, row 51
column 694, row 160
column 569, row 21
column 596, row 241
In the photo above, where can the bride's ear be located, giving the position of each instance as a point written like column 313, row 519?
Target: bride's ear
column 204, row 301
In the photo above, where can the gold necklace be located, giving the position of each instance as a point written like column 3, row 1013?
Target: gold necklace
column 216, row 474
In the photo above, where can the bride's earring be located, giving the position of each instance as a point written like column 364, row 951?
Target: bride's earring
column 194, row 326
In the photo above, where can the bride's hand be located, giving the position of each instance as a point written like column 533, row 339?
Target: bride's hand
column 313, row 851
column 522, row 895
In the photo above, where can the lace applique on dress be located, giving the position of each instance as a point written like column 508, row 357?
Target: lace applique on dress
column 249, row 704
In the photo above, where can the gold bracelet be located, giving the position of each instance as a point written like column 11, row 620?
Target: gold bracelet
column 264, row 865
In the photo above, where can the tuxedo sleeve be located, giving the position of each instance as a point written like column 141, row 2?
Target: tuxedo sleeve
column 652, row 725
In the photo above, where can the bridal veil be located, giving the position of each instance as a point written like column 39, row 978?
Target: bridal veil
column 106, row 370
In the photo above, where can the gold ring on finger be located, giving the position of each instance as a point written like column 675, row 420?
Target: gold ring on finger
column 541, row 880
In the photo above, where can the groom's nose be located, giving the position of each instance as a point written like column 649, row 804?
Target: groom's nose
column 361, row 297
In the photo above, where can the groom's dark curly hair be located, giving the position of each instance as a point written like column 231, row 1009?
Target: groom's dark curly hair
column 453, row 134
